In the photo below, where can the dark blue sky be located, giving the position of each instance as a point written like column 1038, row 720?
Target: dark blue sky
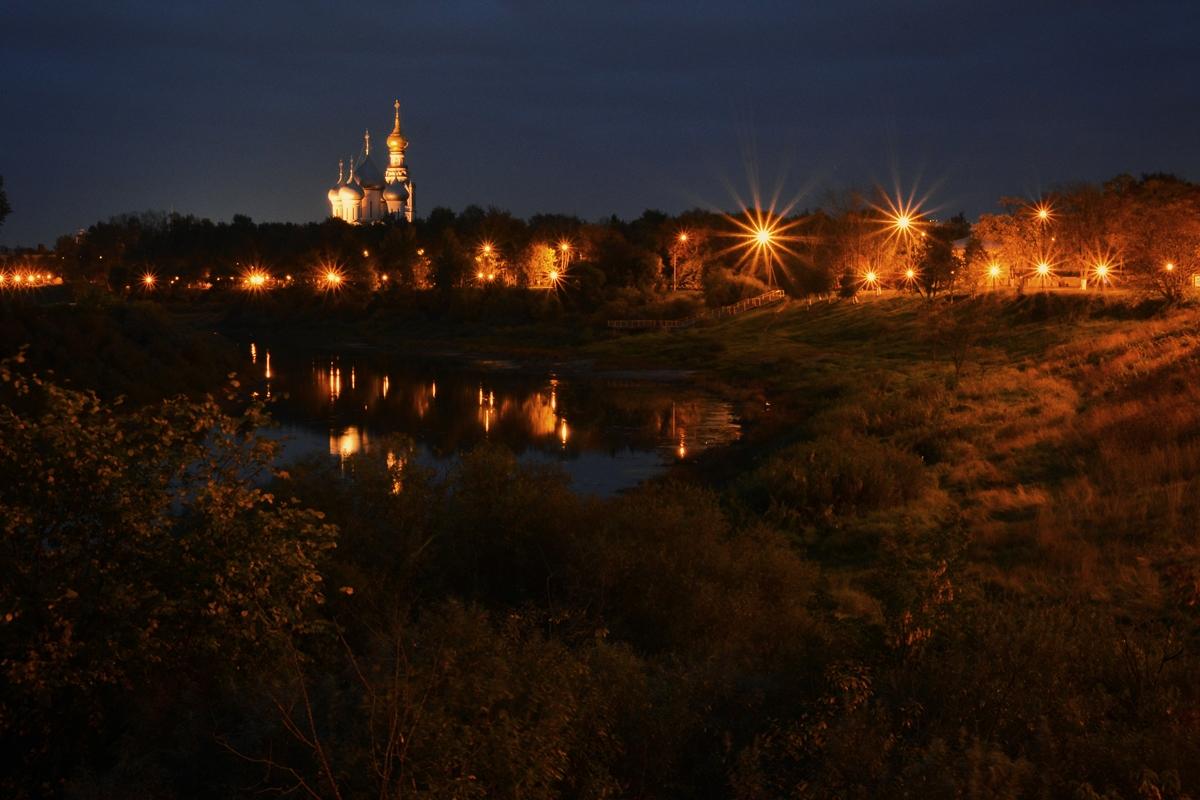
column 218, row 108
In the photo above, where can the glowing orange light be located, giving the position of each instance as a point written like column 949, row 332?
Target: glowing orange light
column 148, row 280
column 554, row 276
column 564, row 246
column 683, row 237
column 491, row 276
column 1043, row 212
column 332, row 278
column 255, row 279
column 994, row 271
column 910, row 274
column 1170, row 267
column 486, row 248
column 479, row 275
column 903, row 222
column 762, row 237
column 1043, row 269
column 366, row 253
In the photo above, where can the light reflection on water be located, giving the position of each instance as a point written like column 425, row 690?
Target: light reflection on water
column 607, row 434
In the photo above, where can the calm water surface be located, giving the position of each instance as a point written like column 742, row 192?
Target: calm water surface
column 608, row 433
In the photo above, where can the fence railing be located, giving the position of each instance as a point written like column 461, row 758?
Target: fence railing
column 773, row 296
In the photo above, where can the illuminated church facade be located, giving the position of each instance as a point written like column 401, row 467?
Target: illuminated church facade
column 364, row 194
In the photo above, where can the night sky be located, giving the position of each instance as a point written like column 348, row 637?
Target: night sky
column 219, row 108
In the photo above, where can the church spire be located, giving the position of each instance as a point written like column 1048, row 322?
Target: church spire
column 341, row 171
column 367, row 142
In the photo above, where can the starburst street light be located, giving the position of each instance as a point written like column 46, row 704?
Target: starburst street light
column 870, row 281
column 1043, row 269
column 994, row 274
column 762, row 238
column 148, row 280
column 332, row 278
column 255, row 280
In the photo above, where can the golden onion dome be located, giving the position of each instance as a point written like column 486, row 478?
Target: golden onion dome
column 350, row 190
column 396, row 140
column 395, row 191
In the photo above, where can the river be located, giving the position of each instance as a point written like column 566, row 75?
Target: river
column 608, row 431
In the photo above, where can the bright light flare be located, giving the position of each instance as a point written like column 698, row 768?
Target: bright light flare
column 902, row 217
column 255, row 280
column 148, row 280
column 1043, row 212
column 683, row 237
column 332, row 278
column 762, row 238
column 1170, row 266
column 1043, row 269
column 1104, row 263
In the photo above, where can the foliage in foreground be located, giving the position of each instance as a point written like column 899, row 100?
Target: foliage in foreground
column 978, row 587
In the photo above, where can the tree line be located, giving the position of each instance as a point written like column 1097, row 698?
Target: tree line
column 1135, row 232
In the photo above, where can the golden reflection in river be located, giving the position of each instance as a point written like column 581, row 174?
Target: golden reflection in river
column 253, row 353
column 268, row 364
column 395, row 467
column 348, row 442
column 422, row 400
column 386, row 385
column 538, row 413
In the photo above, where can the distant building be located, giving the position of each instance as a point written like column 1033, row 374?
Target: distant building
column 366, row 195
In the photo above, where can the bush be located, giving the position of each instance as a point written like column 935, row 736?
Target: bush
column 723, row 287
column 835, row 476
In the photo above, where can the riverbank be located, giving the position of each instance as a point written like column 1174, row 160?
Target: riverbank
column 960, row 536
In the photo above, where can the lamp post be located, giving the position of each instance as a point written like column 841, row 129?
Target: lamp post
column 680, row 241
column 564, row 248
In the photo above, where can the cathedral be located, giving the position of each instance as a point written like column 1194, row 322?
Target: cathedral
column 364, row 194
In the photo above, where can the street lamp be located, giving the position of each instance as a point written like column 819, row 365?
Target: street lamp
column 994, row 274
column 680, row 240
column 1043, row 271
